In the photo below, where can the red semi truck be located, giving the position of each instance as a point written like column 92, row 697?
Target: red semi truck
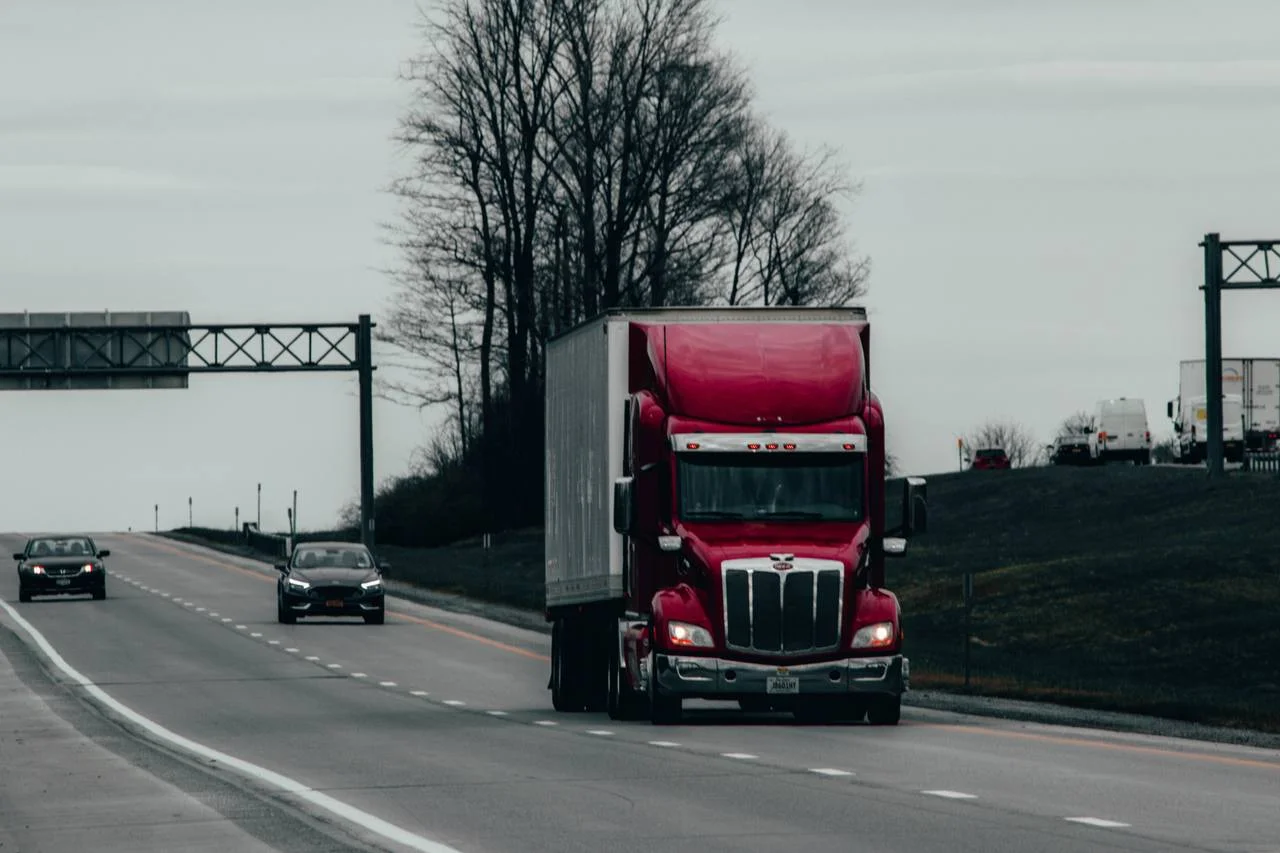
column 715, row 516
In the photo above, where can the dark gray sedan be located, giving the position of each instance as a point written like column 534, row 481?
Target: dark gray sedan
column 61, row 565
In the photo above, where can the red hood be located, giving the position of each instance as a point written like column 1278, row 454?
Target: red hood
column 718, row 541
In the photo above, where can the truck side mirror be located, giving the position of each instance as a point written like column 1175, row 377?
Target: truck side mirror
column 624, row 510
column 1168, row 408
column 915, row 506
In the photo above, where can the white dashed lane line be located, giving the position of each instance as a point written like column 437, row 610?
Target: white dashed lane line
column 741, row 756
column 419, row 693
column 829, row 771
column 600, row 732
column 1097, row 821
column 454, row 702
column 951, row 795
column 665, row 744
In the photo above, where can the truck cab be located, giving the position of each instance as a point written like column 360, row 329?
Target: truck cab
column 1192, row 428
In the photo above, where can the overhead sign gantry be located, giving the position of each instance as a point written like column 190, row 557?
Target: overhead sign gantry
column 161, row 349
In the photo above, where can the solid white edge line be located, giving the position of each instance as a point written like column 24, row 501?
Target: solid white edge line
column 262, row 774
column 1097, row 821
column 951, row 795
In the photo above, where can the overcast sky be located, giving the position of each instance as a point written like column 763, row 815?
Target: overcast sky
column 1035, row 180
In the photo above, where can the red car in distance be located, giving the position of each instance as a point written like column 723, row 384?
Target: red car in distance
column 989, row 458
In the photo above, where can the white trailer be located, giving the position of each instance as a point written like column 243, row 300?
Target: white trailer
column 1256, row 381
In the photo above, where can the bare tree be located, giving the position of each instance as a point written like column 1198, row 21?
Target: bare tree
column 1022, row 448
column 788, row 240
column 1079, row 423
column 571, row 156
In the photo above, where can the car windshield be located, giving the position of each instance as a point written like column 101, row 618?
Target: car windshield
column 801, row 486
column 60, row 546
column 332, row 558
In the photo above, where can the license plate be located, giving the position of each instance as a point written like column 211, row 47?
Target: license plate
column 333, row 602
column 782, row 684
column 63, row 582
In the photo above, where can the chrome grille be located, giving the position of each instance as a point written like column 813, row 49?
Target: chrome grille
column 782, row 612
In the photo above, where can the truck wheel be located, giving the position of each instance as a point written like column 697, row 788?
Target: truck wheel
column 565, row 697
column 663, row 710
column 884, row 710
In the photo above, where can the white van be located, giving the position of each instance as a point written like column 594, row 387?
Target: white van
column 1121, row 431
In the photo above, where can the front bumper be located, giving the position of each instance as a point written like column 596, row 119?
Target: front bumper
column 322, row 603
column 716, row 678
column 77, row 584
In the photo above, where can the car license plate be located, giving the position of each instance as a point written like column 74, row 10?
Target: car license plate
column 63, row 582
column 782, row 684
column 333, row 602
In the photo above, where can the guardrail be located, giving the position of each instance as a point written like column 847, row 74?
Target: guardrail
column 274, row 545
column 1268, row 463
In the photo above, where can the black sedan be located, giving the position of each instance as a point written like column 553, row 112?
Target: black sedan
column 61, row 565
column 331, row 579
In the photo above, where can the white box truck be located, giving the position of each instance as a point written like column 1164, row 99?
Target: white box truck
column 1255, row 381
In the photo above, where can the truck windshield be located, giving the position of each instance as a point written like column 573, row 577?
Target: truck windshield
column 803, row 486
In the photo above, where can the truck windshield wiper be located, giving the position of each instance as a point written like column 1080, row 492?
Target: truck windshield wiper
column 791, row 513
column 712, row 513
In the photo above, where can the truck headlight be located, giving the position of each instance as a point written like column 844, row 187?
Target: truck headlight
column 877, row 636
column 684, row 634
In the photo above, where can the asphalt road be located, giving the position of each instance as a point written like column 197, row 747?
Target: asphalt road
column 434, row 732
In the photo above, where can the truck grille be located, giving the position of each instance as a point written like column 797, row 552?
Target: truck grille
column 788, row 612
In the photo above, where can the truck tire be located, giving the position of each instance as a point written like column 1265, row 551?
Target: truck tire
column 565, row 695
column 884, row 710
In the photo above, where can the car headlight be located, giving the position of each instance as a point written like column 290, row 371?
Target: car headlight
column 88, row 567
column 373, row 584
column 297, row 584
column 877, row 636
column 37, row 570
column 684, row 634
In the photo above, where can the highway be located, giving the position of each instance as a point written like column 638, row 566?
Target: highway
column 435, row 732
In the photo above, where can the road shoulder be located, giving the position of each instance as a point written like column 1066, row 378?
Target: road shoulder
column 74, row 780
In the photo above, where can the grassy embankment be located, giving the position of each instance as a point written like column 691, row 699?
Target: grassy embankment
column 1147, row 590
